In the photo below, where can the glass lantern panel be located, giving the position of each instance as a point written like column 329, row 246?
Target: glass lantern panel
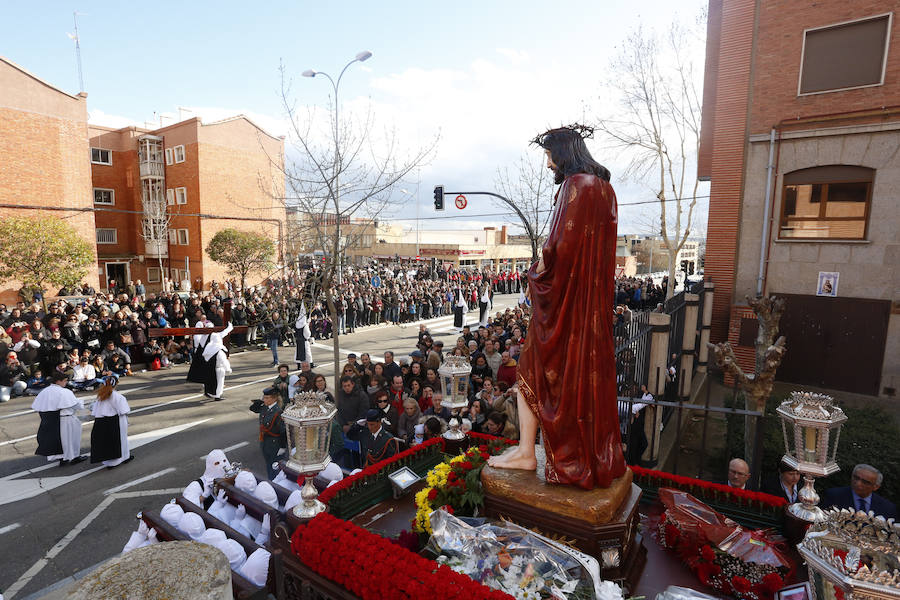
column 810, row 439
column 447, row 385
column 462, row 384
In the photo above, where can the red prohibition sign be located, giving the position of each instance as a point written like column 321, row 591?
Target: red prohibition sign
column 460, row 202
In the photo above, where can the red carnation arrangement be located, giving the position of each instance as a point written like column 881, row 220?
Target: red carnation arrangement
column 698, row 534
column 374, row 568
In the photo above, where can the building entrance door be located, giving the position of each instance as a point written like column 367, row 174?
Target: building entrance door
column 836, row 343
column 117, row 271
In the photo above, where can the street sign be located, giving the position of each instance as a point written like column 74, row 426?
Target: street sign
column 376, row 282
column 460, row 202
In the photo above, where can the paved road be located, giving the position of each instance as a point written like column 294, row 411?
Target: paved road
column 57, row 521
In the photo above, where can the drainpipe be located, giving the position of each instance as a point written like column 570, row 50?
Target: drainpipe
column 764, row 240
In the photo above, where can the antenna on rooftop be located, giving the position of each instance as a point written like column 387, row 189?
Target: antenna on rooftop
column 74, row 36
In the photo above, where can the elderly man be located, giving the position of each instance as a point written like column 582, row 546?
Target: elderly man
column 738, row 474
column 860, row 495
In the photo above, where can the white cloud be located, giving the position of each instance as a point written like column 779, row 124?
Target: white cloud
column 98, row 117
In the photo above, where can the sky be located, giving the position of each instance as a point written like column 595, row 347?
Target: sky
column 484, row 77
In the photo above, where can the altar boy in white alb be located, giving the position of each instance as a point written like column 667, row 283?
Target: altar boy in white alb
column 59, row 434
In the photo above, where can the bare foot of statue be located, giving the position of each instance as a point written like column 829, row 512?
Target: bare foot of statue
column 515, row 458
column 521, row 456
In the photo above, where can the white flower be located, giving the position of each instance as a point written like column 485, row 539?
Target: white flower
column 607, row 590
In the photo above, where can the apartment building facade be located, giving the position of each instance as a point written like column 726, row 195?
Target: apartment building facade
column 801, row 143
column 44, row 165
column 161, row 195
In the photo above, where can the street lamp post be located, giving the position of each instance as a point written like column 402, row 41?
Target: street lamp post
column 336, row 190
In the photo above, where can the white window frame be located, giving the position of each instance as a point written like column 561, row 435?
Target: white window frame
column 115, row 235
column 884, row 58
column 150, row 271
column 112, row 196
column 179, row 150
column 168, row 156
column 170, row 197
column 181, row 195
column 186, row 237
column 174, row 274
column 99, row 161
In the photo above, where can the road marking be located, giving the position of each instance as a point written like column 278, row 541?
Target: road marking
column 13, row 489
column 136, row 389
column 9, row 528
column 229, row 448
column 129, row 484
column 17, row 414
column 61, row 545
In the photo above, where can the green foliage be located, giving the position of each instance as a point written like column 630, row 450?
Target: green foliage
column 43, row 251
column 869, row 436
column 242, row 252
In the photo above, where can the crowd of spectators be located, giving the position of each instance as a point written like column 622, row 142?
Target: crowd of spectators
column 407, row 392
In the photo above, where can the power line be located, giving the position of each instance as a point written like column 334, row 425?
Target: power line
column 507, row 214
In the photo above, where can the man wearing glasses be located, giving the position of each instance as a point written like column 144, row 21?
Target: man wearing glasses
column 864, row 482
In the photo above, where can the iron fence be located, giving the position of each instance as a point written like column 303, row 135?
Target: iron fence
column 632, row 343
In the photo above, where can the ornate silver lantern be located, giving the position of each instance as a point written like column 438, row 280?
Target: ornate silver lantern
column 853, row 555
column 307, row 420
column 454, row 374
column 812, row 426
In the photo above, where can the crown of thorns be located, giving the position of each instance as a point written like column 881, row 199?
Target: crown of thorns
column 585, row 131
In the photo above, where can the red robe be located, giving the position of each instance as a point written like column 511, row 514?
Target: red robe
column 567, row 370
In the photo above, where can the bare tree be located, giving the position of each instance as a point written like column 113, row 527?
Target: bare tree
column 530, row 189
column 659, row 127
column 344, row 174
column 770, row 349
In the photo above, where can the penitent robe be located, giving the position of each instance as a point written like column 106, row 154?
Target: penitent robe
column 567, row 370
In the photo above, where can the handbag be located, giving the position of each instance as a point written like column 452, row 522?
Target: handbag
column 126, row 338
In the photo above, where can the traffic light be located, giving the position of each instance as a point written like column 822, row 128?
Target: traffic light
column 438, row 197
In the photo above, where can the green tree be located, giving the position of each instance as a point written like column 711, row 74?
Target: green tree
column 41, row 252
column 242, row 252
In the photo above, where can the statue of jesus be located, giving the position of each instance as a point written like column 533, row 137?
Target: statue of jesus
column 567, row 372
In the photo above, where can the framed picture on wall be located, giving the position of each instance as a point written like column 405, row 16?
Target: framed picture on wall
column 827, row 284
column 800, row 591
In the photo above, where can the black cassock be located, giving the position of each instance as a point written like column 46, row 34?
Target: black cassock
column 106, row 441
column 48, row 436
column 457, row 316
column 203, row 371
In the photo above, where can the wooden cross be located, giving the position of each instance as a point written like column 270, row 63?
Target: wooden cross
column 157, row 332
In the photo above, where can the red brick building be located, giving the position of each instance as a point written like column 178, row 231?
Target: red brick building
column 200, row 178
column 44, row 164
column 801, row 143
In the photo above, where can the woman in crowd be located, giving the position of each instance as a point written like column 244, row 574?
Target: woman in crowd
column 320, row 385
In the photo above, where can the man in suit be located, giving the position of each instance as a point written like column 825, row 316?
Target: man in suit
column 738, row 474
column 376, row 443
column 864, row 482
column 272, row 436
column 786, row 484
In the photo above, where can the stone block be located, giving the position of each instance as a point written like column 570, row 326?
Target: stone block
column 804, row 252
column 183, row 570
column 892, row 255
column 881, row 150
column 867, row 254
column 834, row 253
column 854, row 149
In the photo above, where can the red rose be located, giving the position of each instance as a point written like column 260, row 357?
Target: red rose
column 740, row 584
column 483, row 449
column 772, row 582
column 708, row 553
column 432, row 494
column 466, row 465
column 671, row 533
